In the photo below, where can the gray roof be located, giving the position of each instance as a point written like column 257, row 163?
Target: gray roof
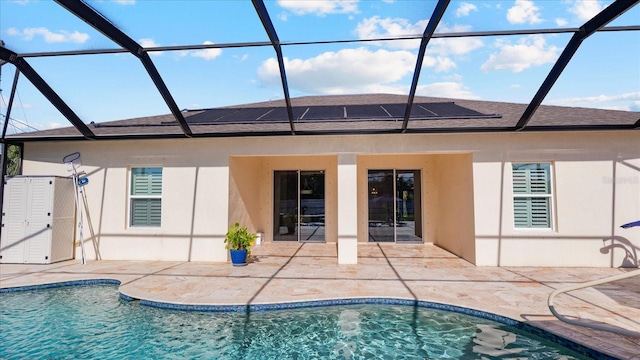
column 494, row 116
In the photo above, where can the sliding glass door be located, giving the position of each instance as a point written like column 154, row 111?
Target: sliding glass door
column 381, row 206
column 299, row 206
column 285, row 202
column 394, row 206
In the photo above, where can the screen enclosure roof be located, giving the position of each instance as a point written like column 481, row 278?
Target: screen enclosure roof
column 295, row 104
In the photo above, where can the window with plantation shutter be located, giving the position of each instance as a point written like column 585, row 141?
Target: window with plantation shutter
column 532, row 195
column 146, row 196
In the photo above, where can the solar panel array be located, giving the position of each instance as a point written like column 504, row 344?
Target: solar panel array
column 251, row 115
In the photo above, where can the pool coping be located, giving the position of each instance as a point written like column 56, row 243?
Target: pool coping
column 248, row 308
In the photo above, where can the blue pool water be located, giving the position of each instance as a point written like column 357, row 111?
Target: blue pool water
column 90, row 322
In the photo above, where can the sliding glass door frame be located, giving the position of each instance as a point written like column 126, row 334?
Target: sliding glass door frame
column 384, row 217
column 309, row 209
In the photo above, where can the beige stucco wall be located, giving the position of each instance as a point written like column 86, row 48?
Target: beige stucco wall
column 251, row 190
column 194, row 197
column 596, row 189
column 454, row 186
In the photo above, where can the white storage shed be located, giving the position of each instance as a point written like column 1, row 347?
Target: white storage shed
column 38, row 217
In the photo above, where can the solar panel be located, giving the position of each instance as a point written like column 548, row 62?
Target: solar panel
column 448, row 109
column 433, row 111
column 279, row 114
column 367, row 112
column 246, row 115
column 422, row 111
column 209, row 116
column 371, row 112
column 323, row 113
column 395, row 110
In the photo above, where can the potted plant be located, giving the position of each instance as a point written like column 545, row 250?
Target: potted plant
column 290, row 221
column 238, row 241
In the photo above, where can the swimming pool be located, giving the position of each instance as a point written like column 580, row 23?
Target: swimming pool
column 93, row 322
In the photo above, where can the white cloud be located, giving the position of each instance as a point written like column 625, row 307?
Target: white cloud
column 440, row 63
column 454, row 46
column 561, row 22
column 447, row 89
column 49, row 36
column 320, row 7
column 438, row 50
column 125, row 2
column 465, row 8
column 585, row 9
column 146, row 42
column 628, row 101
column 346, row 71
column 376, row 27
column 524, row 11
column 530, row 51
column 207, row 54
column 149, row 43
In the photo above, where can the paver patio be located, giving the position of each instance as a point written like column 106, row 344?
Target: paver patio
column 290, row 272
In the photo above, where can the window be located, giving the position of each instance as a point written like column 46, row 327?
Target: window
column 532, row 195
column 146, row 196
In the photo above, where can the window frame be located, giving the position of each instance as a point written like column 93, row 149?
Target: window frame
column 533, row 195
column 132, row 197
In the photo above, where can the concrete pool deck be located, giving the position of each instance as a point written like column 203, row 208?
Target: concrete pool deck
column 293, row 272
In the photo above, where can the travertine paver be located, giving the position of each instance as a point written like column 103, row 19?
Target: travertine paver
column 289, row 272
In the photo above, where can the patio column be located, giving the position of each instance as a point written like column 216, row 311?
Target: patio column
column 347, row 209
column 211, row 204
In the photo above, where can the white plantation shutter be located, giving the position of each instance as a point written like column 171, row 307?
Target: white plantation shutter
column 520, row 181
column 531, row 212
column 146, row 181
column 145, row 212
column 539, row 181
column 521, row 211
column 146, row 192
column 532, row 195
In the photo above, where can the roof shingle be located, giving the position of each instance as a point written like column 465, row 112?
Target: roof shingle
column 480, row 116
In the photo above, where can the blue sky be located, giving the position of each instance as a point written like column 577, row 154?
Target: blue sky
column 604, row 73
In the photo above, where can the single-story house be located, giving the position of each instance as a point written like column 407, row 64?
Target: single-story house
column 349, row 171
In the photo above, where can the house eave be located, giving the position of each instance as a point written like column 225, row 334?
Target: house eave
column 468, row 130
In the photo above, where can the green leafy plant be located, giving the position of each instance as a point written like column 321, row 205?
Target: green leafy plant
column 239, row 238
column 13, row 159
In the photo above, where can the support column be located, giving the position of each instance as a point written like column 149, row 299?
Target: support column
column 347, row 209
column 211, row 211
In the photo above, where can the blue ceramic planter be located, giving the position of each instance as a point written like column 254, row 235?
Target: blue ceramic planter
column 238, row 257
